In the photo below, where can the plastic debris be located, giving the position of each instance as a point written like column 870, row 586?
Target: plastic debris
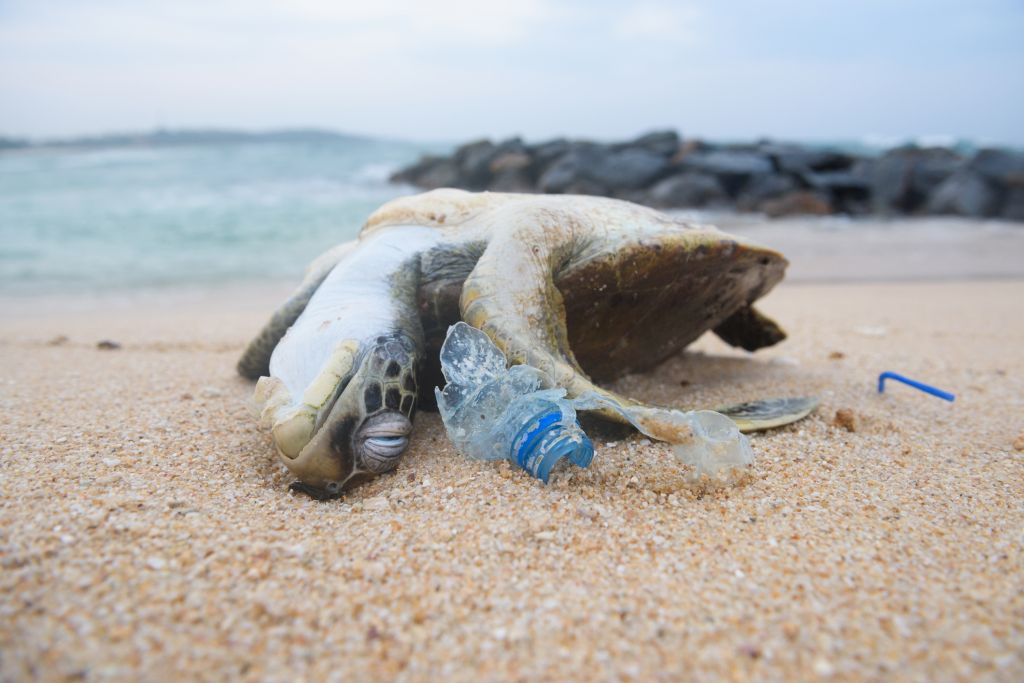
column 921, row 386
column 715, row 444
column 494, row 412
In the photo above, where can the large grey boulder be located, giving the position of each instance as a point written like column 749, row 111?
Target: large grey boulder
column 511, row 181
column 1013, row 204
column 762, row 188
column 1003, row 169
column 510, row 161
column 662, row 142
column 570, row 168
column 965, row 193
column 932, row 169
column 442, row 174
column 725, row 162
column 430, row 172
column 848, row 191
column 511, row 171
column 891, row 180
column 838, row 181
column 602, row 170
column 627, row 169
column 733, row 168
column 1001, row 166
column 690, row 189
column 473, row 161
column 798, row 160
column 905, row 178
column 548, row 152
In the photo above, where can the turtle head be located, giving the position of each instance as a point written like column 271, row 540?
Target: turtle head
column 354, row 420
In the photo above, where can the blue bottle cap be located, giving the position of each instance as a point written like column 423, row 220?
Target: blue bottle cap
column 543, row 441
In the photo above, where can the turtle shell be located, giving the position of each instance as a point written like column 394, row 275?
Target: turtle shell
column 631, row 309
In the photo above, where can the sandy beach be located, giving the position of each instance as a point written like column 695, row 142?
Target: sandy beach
column 147, row 531
column 169, row 172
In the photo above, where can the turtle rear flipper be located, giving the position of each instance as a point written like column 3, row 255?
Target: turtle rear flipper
column 750, row 329
column 767, row 413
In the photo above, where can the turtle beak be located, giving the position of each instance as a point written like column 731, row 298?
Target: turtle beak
column 327, row 467
column 357, row 438
column 352, row 422
column 328, row 461
column 381, row 440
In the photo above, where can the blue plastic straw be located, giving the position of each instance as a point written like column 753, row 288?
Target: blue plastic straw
column 926, row 388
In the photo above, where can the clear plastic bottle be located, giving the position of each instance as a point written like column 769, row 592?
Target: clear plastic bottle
column 492, row 411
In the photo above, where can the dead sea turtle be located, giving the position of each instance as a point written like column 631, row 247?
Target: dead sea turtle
column 583, row 288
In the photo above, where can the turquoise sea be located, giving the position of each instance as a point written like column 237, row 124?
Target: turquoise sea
column 99, row 219
column 113, row 218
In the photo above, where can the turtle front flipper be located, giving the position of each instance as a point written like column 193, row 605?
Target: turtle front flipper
column 524, row 314
column 341, row 390
column 511, row 295
column 255, row 360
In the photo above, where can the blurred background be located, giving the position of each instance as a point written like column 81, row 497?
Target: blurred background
column 162, row 144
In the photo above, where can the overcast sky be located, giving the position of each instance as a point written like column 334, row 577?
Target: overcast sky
column 457, row 69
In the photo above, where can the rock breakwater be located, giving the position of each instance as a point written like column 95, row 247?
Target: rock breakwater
column 661, row 169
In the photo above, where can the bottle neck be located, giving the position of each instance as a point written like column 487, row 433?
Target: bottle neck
column 544, row 439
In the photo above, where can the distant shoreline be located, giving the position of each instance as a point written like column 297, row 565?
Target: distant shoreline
column 189, row 136
column 869, row 146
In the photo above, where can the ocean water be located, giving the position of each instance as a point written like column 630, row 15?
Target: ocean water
column 92, row 220
column 121, row 219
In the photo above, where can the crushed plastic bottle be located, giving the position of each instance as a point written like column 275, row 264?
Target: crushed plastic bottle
column 493, row 412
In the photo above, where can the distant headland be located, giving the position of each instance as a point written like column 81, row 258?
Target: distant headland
column 170, row 138
column 661, row 169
